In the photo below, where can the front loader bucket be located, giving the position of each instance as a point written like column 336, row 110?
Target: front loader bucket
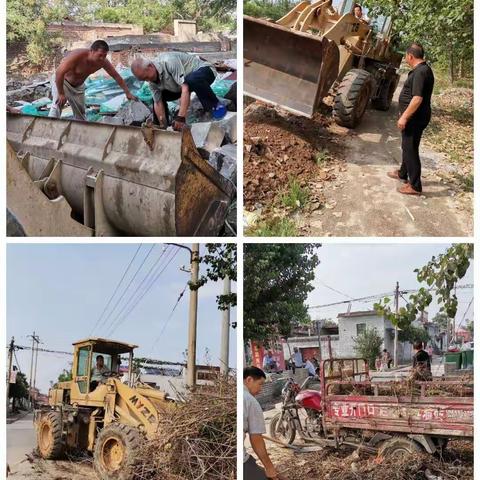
column 118, row 180
column 287, row 68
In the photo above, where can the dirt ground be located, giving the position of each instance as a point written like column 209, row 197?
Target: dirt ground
column 351, row 194
column 39, row 469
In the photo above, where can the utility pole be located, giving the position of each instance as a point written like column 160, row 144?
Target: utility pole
column 395, row 344
column 319, row 328
column 35, row 339
column 35, row 369
column 225, row 346
column 192, row 320
column 11, row 349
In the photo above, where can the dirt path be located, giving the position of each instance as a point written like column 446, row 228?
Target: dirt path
column 364, row 201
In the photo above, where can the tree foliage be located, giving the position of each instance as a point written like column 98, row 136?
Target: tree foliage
column 413, row 334
column 65, row 376
column 441, row 319
column 28, row 20
column 19, row 389
column 267, row 9
column 444, row 28
column 221, row 262
column 277, row 280
column 368, row 344
column 441, row 275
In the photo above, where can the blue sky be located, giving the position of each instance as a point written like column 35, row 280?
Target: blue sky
column 60, row 291
column 360, row 270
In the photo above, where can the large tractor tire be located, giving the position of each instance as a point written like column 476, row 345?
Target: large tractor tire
column 116, row 452
column 399, row 446
column 281, row 430
column 49, row 436
column 352, row 97
column 387, row 89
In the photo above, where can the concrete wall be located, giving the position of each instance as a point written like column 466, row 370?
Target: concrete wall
column 185, row 30
column 75, row 33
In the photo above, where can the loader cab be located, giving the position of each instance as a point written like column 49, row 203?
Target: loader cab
column 84, row 388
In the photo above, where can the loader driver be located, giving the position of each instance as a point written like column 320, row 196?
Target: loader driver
column 358, row 12
column 173, row 76
column 98, row 372
column 68, row 82
column 254, row 425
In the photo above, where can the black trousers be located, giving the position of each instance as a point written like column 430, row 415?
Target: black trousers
column 411, row 168
column 198, row 81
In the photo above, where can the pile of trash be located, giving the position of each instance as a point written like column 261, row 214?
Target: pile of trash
column 455, row 464
column 196, row 440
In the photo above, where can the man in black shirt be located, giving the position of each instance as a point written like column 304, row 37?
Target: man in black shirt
column 415, row 113
column 422, row 367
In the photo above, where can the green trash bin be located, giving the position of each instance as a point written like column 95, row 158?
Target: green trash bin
column 454, row 357
column 467, row 358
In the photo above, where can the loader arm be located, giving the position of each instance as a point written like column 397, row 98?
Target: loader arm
column 137, row 407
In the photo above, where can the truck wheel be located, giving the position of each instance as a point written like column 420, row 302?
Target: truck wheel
column 49, row 436
column 116, row 452
column 399, row 446
column 352, row 97
column 384, row 100
column 282, row 430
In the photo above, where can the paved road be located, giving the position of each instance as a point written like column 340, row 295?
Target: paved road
column 20, row 439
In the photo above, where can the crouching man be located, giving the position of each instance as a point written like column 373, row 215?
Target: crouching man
column 68, row 82
column 173, row 76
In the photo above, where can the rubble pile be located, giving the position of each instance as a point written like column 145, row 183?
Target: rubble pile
column 279, row 147
column 455, row 464
column 196, row 440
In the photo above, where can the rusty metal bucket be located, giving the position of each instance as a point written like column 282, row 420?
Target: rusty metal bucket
column 116, row 180
column 291, row 69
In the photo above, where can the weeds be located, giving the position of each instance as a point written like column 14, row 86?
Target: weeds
column 296, row 196
column 322, row 157
column 276, row 227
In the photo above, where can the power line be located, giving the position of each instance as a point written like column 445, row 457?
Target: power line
column 115, row 291
column 125, row 306
column 373, row 297
column 334, row 290
column 129, row 283
column 147, row 289
column 169, row 316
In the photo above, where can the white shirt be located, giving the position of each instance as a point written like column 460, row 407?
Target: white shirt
column 253, row 421
column 310, row 367
column 297, row 358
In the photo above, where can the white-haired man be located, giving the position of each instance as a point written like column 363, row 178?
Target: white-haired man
column 174, row 75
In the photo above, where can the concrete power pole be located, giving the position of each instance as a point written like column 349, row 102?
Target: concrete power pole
column 10, row 360
column 225, row 346
column 35, row 369
column 192, row 320
column 30, row 380
column 395, row 343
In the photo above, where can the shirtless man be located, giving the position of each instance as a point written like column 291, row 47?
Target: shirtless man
column 68, row 81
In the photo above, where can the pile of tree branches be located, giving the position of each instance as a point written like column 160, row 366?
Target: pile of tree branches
column 197, row 439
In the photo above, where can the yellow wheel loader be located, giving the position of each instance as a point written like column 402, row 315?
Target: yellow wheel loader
column 313, row 51
column 106, row 416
